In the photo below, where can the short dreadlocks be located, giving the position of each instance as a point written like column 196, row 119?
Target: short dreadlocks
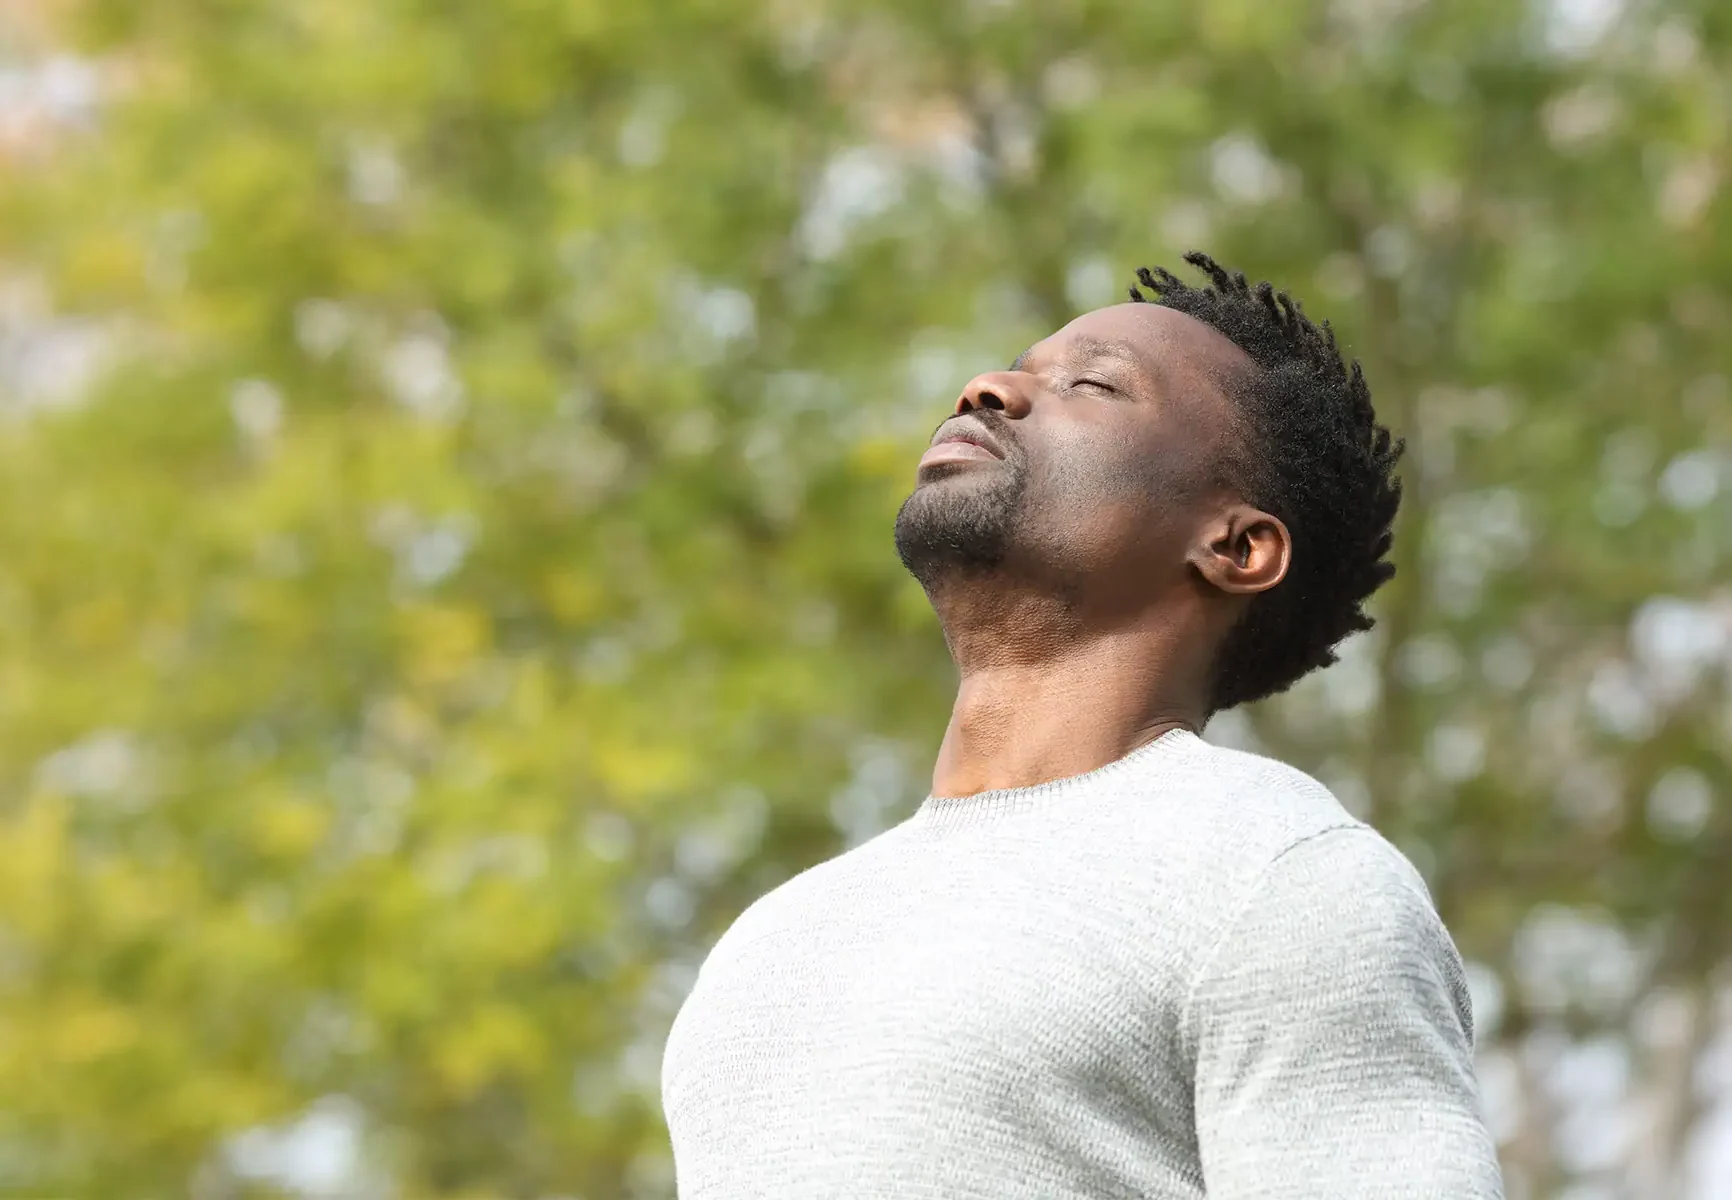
column 1317, row 459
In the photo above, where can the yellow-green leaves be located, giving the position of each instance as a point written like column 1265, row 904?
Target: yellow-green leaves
column 447, row 463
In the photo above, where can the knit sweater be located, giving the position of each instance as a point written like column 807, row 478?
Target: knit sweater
column 1189, row 973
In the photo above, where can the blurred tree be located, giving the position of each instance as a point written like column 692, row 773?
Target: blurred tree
column 446, row 563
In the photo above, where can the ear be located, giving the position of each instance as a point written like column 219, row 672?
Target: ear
column 1243, row 550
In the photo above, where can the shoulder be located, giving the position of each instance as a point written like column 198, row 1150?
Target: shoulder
column 1258, row 778
column 1340, row 880
column 1307, row 834
column 1243, row 811
column 1217, row 831
column 1339, row 913
column 1354, row 874
column 1296, row 884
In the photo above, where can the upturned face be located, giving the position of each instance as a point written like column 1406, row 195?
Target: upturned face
column 1091, row 463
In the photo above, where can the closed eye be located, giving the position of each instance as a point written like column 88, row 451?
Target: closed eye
column 1091, row 381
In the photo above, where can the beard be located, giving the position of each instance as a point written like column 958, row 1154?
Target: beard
column 954, row 525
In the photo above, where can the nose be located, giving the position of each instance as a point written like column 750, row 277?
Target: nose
column 1001, row 390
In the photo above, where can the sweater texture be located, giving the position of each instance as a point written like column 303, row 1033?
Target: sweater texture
column 1190, row 973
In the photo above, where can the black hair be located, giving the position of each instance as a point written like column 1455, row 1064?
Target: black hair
column 1316, row 458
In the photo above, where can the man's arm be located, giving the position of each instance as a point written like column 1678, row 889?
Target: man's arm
column 1334, row 1038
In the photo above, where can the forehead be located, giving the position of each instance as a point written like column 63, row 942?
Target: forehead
column 1161, row 341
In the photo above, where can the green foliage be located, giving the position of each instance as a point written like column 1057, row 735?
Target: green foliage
column 467, row 580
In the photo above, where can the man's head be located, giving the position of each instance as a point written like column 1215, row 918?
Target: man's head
column 1202, row 451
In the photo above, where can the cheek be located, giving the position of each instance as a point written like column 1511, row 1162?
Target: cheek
column 1119, row 463
column 1109, row 491
column 1121, row 499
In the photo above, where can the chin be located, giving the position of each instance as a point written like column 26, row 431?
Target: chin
column 950, row 523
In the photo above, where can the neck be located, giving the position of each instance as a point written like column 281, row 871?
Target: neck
column 1056, row 700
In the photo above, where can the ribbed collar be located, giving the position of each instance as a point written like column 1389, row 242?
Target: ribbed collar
column 958, row 812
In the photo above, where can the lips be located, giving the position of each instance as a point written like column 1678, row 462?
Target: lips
column 964, row 443
column 955, row 452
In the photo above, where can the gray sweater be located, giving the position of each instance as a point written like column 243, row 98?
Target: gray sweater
column 1188, row 973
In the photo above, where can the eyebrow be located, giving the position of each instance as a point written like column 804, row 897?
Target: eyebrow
column 1085, row 347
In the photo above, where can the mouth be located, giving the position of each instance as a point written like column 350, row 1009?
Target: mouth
column 965, row 443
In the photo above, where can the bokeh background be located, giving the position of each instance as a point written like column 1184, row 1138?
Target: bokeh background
column 448, row 454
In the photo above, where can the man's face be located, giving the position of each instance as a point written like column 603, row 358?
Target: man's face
column 1087, row 465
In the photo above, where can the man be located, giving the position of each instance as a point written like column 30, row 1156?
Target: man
column 1105, row 959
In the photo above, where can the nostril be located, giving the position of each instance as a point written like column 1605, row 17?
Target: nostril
column 979, row 394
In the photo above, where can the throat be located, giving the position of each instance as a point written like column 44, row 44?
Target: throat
column 1020, row 727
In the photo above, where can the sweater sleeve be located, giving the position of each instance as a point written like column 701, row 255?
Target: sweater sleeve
column 1334, row 1038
